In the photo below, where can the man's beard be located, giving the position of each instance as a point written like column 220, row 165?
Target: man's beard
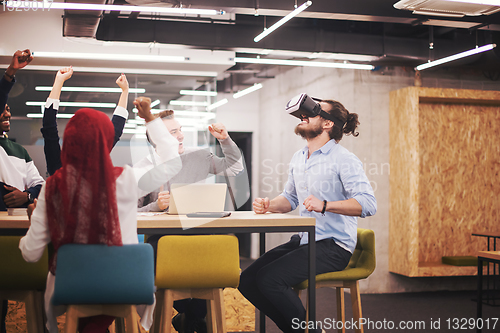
column 309, row 133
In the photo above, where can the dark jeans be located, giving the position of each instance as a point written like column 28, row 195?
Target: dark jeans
column 268, row 282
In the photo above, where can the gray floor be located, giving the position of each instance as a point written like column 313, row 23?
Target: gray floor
column 453, row 310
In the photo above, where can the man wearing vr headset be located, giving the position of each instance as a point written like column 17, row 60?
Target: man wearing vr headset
column 327, row 182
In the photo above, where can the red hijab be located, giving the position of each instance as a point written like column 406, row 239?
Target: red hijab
column 81, row 195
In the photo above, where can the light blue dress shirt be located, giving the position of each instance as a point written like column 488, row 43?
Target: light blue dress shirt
column 331, row 173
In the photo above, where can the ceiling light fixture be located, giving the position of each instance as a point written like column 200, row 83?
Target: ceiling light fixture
column 109, row 56
column 243, row 92
column 77, row 104
column 282, row 21
column 198, row 93
column 301, row 63
column 217, row 104
column 87, row 6
column 456, row 56
column 92, row 89
column 122, row 70
column 190, row 103
column 155, row 103
column 480, row 2
column 59, row 115
column 182, row 113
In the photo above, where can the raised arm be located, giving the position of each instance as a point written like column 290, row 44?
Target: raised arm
column 120, row 115
column 19, row 60
column 49, row 131
column 232, row 162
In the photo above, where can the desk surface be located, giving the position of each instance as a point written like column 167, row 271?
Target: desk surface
column 165, row 221
column 487, row 234
column 489, row 254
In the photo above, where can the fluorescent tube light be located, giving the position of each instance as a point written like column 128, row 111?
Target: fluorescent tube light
column 282, row 21
column 92, row 89
column 456, row 56
column 243, row 92
column 343, row 56
column 155, row 103
column 87, row 6
column 122, row 70
column 190, row 103
column 109, row 56
column 217, row 104
column 77, row 104
column 59, row 115
column 302, row 63
column 200, row 114
column 480, row 2
column 198, row 93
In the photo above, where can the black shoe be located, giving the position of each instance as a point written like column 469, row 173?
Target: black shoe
column 179, row 322
column 200, row 325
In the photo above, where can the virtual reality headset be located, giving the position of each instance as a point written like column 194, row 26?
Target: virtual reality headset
column 302, row 106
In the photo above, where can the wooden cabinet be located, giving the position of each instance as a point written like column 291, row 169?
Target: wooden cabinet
column 445, row 177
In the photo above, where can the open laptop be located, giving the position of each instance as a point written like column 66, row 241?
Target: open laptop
column 197, row 197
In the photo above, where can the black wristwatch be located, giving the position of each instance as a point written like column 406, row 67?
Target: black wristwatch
column 30, row 198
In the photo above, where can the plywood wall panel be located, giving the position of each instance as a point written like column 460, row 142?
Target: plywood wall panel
column 459, row 173
column 445, row 177
column 404, row 161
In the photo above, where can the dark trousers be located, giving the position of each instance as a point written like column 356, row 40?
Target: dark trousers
column 268, row 282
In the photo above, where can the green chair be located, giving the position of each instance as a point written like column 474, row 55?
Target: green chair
column 361, row 265
column 23, row 282
column 195, row 267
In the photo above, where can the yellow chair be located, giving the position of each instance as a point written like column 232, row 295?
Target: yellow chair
column 361, row 265
column 23, row 282
column 195, row 267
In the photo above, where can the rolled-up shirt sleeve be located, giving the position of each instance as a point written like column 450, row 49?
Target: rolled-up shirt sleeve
column 357, row 185
column 290, row 192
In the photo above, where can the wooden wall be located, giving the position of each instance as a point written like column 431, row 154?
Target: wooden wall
column 445, row 180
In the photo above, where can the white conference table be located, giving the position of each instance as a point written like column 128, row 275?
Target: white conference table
column 238, row 222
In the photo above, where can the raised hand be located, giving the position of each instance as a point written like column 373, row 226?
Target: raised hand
column 122, row 82
column 219, row 131
column 20, row 59
column 64, row 74
column 143, row 105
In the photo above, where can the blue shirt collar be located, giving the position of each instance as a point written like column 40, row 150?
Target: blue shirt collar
column 325, row 149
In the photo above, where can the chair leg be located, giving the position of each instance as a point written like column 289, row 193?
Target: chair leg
column 167, row 312
column 211, row 318
column 131, row 320
column 155, row 328
column 32, row 313
column 340, row 308
column 71, row 320
column 356, row 304
column 220, row 310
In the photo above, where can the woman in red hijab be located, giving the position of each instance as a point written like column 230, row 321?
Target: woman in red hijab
column 87, row 201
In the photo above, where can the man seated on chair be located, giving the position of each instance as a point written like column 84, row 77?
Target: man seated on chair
column 197, row 165
column 326, row 182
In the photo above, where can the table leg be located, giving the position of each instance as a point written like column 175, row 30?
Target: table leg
column 479, row 292
column 312, row 275
column 262, row 250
